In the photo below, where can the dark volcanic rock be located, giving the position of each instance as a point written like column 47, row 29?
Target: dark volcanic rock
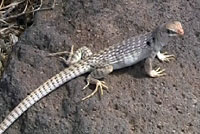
column 135, row 103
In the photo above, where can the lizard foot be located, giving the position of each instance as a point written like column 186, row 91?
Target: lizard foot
column 65, row 52
column 157, row 73
column 99, row 85
column 165, row 57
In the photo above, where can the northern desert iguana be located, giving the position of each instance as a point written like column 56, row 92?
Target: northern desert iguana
column 123, row 54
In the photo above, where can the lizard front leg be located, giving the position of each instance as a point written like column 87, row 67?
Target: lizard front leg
column 151, row 72
column 94, row 76
column 165, row 57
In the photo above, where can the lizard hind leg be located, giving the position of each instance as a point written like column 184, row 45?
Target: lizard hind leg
column 93, row 79
column 76, row 56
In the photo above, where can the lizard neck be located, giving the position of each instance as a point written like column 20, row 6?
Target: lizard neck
column 158, row 40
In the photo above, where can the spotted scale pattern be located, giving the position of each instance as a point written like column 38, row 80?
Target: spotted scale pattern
column 123, row 54
column 46, row 88
column 126, row 53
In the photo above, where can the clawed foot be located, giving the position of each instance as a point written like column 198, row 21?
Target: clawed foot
column 157, row 73
column 65, row 52
column 99, row 85
column 165, row 57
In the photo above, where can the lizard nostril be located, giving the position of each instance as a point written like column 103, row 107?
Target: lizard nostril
column 181, row 31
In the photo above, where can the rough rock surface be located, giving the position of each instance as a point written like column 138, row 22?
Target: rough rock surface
column 135, row 103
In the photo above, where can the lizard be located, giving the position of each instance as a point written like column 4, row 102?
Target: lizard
column 123, row 54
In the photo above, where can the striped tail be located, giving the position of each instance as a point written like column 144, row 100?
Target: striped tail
column 73, row 71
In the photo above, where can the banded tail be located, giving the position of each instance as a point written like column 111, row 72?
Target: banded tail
column 50, row 85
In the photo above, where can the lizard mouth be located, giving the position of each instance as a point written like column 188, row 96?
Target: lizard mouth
column 180, row 32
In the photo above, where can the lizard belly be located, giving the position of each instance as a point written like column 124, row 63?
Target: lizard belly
column 129, row 60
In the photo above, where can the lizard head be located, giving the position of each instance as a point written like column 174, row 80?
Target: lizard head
column 168, row 30
column 174, row 28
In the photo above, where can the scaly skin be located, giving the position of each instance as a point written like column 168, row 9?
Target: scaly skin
column 121, row 55
column 49, row 86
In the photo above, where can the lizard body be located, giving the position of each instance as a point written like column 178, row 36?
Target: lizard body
column 123, row 54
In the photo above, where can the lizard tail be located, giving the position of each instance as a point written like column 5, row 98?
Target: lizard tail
column 50, row 85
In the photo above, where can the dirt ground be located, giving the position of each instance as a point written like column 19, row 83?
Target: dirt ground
column 135, row 103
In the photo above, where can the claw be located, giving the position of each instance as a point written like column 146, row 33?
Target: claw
column 64, row 60
column 158, row 72
column 70, row 55
column 88, row 83
column 157, row 69
column 99, row 84
column 65, row 52
column 165, row 57
column 58, row 53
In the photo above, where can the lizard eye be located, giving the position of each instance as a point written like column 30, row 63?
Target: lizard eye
column 171, row 32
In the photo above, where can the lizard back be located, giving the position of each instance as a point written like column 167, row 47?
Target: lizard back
column 127, row 52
